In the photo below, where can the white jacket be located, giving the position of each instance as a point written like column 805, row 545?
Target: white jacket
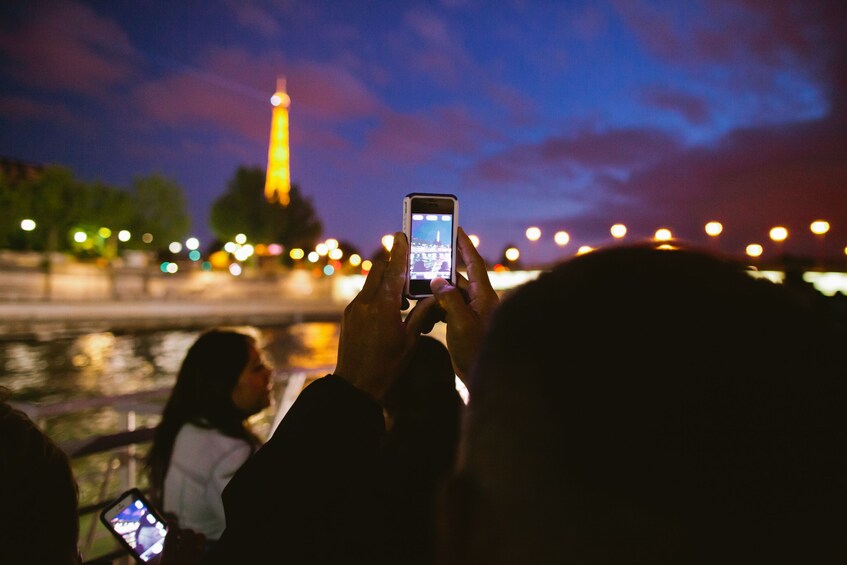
column 202, row 463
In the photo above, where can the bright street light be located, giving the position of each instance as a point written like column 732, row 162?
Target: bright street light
column 618, row 231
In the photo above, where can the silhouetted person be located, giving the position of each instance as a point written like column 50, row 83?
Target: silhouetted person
column 39, row 522
column 653, row 406
column 423, row 411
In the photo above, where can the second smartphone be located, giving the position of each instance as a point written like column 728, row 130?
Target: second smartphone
column 430, row 222
column 136, row 524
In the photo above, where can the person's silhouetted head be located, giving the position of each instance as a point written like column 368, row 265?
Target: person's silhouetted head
column 638, row 404
column 39, row 522
column 423, row 411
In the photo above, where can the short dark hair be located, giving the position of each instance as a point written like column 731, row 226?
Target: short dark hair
column 638, row 400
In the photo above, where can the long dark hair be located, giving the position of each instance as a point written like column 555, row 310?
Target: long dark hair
column 202, row 396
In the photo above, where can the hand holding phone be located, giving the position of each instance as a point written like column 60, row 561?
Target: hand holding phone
column 430, row 222
column 137, row 525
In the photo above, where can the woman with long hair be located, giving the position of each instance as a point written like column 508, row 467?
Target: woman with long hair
column 204, row 436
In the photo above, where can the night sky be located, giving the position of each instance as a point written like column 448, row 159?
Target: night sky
column 566, row 115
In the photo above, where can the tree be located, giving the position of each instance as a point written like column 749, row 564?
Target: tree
column 13, row 206
column 244, row 209
column 52, row 199
column 160, row 210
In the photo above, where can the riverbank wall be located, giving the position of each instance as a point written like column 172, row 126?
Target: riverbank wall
column 79, row 298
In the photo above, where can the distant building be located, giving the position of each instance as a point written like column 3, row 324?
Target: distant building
column 278, row 176
column 15, row 170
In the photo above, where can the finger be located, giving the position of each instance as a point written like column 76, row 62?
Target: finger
column 424, row 316
column 373, row 280
column 450, row 299
column 473, row 260
column 395, row 274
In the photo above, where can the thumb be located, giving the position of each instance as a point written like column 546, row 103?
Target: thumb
column 450, row 299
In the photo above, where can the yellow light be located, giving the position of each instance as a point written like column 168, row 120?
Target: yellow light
column 663, row 234
column 533, row 233
column 27, row 224
column 336, row 254
column 512, row 254
column 778, row 234
column 618, row 231
column 296, row 253
column 388, row 241
column 219, row 259
column 754, row 250
column 584, row 249
column 714, row 229
column 474, row 239
column 367, row 265
column 105, row 233
column 819, row 227
column 355, row 259
column 147, row 238
column 124, row 235
column 561, row 238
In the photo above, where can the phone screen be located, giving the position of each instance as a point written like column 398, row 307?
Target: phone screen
column 135, row 522
column 431, row 246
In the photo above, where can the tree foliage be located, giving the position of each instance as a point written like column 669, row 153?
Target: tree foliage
column 61, row 205
column 160, row 209
column 244, row 209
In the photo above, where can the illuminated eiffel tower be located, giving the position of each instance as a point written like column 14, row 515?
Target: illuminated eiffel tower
column 278, row 179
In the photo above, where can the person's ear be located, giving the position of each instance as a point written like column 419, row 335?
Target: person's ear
column 459, row 534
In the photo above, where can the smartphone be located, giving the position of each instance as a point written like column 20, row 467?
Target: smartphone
column 137, row 525
column 430, row 222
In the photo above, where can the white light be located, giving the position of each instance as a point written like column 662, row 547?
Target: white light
column 27, row 225
column 313, row 256
column 561, row 238
column 331, row 243
column 230, row 247
column 124, row 235
column 241, row 238
column 172, row 268
column 388, row 241
column 175, row 247
column 618, row 231
column 234, row 269
column 192, row 243
column 80, row 237
column 475, row 240
column 335, row 254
